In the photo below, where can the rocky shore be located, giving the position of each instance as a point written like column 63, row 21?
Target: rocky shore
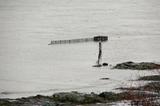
column 147, row 95
column 81, row 99
column 137, row 66
column 63, row 99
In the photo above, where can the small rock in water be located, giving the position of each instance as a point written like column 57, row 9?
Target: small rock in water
column 105, row 64
column 104, row 79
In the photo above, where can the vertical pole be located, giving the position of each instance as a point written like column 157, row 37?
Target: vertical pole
column 100, row 53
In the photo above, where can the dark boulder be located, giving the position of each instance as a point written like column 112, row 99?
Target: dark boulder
column 105, row 64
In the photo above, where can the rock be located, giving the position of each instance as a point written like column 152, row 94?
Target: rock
column 75, row 97
column 4, row 102
column 110, row 96
column 104, row 79
column 105, row 64
column 137, row 66
column 60, row 99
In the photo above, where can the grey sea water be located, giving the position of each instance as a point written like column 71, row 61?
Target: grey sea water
column 29, row 66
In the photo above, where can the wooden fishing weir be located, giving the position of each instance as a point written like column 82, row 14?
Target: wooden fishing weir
column 98, row 39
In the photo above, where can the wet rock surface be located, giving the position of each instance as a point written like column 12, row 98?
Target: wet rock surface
column 75, row 97
column 137, row 66
column 150, row 78
column 61, row 99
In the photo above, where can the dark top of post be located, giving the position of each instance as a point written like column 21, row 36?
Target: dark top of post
column 100, row 38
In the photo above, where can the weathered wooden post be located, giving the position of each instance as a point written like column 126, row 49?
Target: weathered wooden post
column 100, row 53
column 100, row 39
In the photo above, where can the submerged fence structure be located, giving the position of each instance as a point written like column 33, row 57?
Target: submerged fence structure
column 95, row 39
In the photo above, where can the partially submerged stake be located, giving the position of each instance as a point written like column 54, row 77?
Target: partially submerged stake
column 100, row 53
column 98, row 39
